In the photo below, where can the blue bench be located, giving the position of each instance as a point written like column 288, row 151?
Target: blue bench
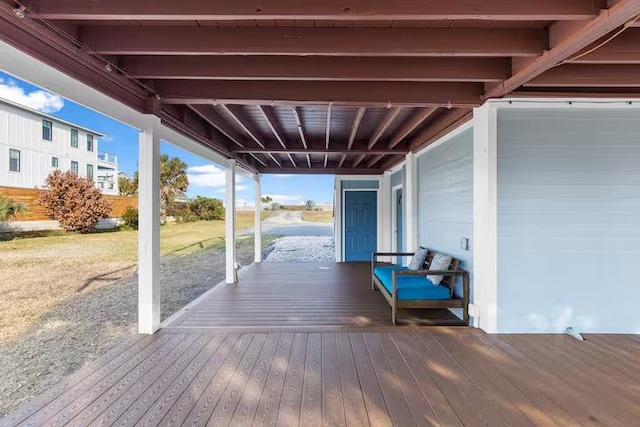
column 404, row 288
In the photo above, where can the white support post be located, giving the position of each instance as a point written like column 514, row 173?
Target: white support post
column 149, row 227
column 411, row 203
column 258, row 220
column 387, row 226
column 485, row 172
column 230, row 221
column 337, row 217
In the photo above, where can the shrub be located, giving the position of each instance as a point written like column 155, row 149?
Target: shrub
column 9, row 209
column 73, row 201
column 130, row 217
column 185, row 215
column 206, row 208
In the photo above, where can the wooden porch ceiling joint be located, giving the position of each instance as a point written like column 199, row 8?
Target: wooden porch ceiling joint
column 269, row 116
column 354, row 132
column 434, row 10
column 303, row 139
column 239, row 117
column 567, row 41
column 327, row 134
column 379, row 131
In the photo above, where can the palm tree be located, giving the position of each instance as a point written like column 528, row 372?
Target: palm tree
column 173, row 181
column 309, row 205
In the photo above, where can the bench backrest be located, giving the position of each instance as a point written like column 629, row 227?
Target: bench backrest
column 448, row 281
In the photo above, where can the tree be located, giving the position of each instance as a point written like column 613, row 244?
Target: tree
column 266, row 199
column 73, row 201
column 309, row 205
column 275, row 206
column 173, row 181
column 206, row 208
column 9, row 209
column 128, row 186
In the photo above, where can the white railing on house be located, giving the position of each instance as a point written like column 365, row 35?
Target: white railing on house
column 108, row 157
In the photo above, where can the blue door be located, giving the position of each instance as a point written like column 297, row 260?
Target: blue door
column 360, row 225
column 399, row 221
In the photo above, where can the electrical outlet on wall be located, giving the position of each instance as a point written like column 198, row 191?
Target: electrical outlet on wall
column 464, row 243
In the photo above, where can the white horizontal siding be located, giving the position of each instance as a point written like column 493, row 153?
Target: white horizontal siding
column 568, row 220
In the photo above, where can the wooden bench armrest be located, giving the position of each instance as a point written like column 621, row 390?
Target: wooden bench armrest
column 377, row 254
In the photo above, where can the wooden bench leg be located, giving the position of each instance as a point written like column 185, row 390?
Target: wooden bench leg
column 394, row 313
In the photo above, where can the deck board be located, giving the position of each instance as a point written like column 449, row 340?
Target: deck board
column 341, row 363
column 285, row 295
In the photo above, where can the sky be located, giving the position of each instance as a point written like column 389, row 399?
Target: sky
column 205, row 177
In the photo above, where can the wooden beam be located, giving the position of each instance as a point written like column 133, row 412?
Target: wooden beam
column 442, row 124
column 329, row 170
column 316, row 68
column 623, row 49
column 567, row 41
column 379, row 131
column 356, row 10
column 327, row 133
column 241, row 119
column 296, row 115
column 211, row 116
column 354, row 131
column 349, row 152
column 269, row 117
column 390, row 42
column 589, row 75
column 410, row 125
column 314, row 93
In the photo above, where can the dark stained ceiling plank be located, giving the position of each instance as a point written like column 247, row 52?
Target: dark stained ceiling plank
column 381, row 42
column 411, row 124
column 351, row 152
column 397, row 10
column 589, row 75
column 269, row 117
column 303, row 139
column 316, row 68
column 354, row 131
column 313, row 93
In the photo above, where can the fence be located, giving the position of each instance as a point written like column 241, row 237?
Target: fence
column 29, row 196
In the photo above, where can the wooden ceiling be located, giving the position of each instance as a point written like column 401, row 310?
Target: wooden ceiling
column 345, row 86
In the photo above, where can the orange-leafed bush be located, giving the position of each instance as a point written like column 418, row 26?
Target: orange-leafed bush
column 73, row 201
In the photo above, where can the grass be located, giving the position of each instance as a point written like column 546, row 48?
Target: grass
column 317, row 216
column 37, row 273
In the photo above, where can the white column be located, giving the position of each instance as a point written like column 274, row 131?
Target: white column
column 230, row 221
column 337, row 217
column 149, row 228
column 258, row 220
column 411, row 203
column 387, row 226
column 485, row 172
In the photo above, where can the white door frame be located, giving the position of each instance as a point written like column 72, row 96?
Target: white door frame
column 394, row 220
column 342, row 214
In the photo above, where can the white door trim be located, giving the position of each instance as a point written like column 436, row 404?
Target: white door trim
column 394, row 219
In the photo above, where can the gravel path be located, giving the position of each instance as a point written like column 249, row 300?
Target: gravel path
column 88, row 324
column 302, row 249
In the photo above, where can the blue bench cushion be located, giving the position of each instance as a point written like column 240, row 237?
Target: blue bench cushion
column 410, row 287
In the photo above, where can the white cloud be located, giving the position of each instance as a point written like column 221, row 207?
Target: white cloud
column 282, row 175
column 285, row 199
column 38, row 99
column 240, row 187
column 210, row 176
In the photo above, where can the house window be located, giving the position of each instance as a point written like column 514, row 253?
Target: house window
column 90, row 172
column 47, row 130
column 74, row 138
column 14, row 160
column 89, row 142
column 74, row 167
column 54, row 162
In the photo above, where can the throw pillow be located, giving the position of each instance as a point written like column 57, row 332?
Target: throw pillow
column 439, row 262
column 418, row 259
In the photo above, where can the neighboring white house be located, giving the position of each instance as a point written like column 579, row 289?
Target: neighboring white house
column 33, row 144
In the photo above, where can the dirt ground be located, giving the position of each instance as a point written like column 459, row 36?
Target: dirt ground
column 55, row 316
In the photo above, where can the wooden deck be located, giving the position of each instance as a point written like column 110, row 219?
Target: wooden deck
column 278, row 350
column 438, row 376
column 321, row 296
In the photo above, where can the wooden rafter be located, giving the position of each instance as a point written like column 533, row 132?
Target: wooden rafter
column 379, row 131
column 239, row 117
column 321, row 150
column 269, row 117
column 399, row 10
column 354, row 131
column 303, row 139
column 567, row 41
column 410, row 125
column 327, row 134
